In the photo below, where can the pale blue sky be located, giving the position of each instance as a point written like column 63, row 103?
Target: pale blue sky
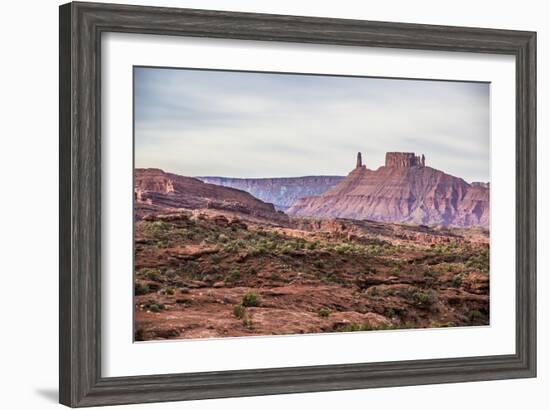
column 237, row 124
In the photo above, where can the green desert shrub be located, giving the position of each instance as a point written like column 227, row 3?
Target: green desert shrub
column 312, row 245
column 223, row 238
column 479, row 262
column 324, row 312
column 154, row 306
column 238, row 311
column 353, row 327
column 456, row 281
column 159, row 226
column 169, row 291
column 425, row 298
column 141, row 289
column 389, row 312
column 150, row 273
column 157, row 307
column 250, row 299
column 233, row 276
column 274, row 276
column 344, row 248
column 365, row 327
column 369, row 270
column 475, row 314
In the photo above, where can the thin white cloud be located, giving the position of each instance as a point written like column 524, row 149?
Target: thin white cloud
column 260, row 125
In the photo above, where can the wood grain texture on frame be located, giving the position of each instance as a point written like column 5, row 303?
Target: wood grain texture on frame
column 81, row 26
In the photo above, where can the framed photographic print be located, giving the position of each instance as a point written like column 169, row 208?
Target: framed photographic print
column 259, row 204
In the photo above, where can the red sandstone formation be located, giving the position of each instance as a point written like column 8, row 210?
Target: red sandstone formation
column 156, row 190
column 404, row 190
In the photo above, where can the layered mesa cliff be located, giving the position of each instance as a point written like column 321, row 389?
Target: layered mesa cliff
column 281, row 192
column 403, row 190
column 156, row 190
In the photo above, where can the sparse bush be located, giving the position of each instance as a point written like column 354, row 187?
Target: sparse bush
column 474, row 315
column 162, row 244
column 425, row 298
column 233, row 276
column 312, row 245
column 161, row 225
column 369, row 270
column 238, row 311
column 389, row 292
column 343, row 249
column 373, row 291
column 141, row 289
column 250, row 300
column 353, row 327
column 330, row 278
column 239, row 243
column 324, row 312
column 375, row 250
column 287, row 249
column 356, row 327
column 191, row 269
column 230, row 248
column 149, row 273
column 479, row 262
column 169, row 291
column 456, row 281
column 154, row 307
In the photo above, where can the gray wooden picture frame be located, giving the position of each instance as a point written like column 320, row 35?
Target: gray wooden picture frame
column 81, row 27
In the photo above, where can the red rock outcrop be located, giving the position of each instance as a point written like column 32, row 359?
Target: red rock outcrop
column 404, row 190
column 156, row 190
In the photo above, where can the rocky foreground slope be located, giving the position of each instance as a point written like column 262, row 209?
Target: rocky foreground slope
column 204, row 273
column 403, row 190
column 281, row 192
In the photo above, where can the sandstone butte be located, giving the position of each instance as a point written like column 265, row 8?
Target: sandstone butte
column 404, row 190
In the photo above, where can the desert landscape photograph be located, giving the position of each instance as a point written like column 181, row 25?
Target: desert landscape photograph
column 277, row 204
